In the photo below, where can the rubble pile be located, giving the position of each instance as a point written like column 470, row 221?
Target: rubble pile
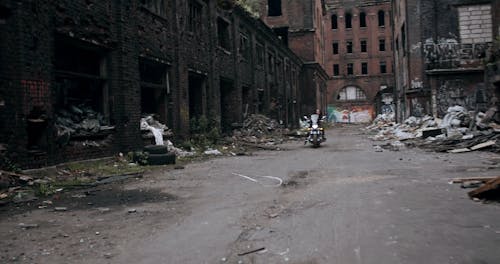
column 80, row 122
column 259, row 129
column 459, row 131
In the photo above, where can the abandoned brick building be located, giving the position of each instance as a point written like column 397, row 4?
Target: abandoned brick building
column 300, row 25
column 441, row 49
column 101, row 65
column 359, row 59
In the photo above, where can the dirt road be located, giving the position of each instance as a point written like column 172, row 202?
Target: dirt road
column 341, row 203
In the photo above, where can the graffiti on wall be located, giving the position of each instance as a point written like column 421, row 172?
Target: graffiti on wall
column 354, row 114
column 449, row 53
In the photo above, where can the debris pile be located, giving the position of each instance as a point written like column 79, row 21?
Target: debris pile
column 80, row 122
column 486, row 188
column 152, row 128
column 459, row 131
column 259, row 129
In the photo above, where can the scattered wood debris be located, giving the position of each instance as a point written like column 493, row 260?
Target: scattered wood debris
column 490, row 190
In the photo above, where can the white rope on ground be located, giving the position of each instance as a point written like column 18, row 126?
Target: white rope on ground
column 267, row 177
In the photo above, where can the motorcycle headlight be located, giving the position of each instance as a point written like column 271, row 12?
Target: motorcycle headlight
column 315, row 126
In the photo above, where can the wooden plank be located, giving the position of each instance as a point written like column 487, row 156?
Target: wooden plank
column 483, row 179
column 484, row 145
column 490, row 188
column 462, row 150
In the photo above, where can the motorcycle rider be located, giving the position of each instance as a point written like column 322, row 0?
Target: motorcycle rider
column 319, row 122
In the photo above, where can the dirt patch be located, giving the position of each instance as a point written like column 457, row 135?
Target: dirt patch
column 296, row 179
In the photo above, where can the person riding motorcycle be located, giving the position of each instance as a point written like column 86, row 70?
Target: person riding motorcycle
column 319, row 122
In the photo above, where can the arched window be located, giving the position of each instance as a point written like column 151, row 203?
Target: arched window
column 381, row 18
column 348, row 20
column 362, row 19
column 334, row 22
column 351, row 93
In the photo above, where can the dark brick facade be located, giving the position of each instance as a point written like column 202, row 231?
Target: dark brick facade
column 440, row 47
column 178, row 59
column 300, row 24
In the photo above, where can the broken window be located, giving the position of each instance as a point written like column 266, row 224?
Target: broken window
column 351, row 93
column 336, row 71
column 223, row 34
column 348, row 20
column 363, row 46
column 244, row 49
column 155, row 88
column 350, row 69
column 197, row 90
column 334, row 22
column 383, row 67
column 270, row 63
column 194, row 18
column 282, row 34
column 335, row 47
column 362, row 19
column 274, row 8
column 349, row 46
column 381, row 44
column 156, row 6
column 403, row 39
column 82, row 104
column 364, row 68
column 259, row 50
column 381, row 18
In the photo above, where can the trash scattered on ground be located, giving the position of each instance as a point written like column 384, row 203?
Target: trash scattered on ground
column 212, row 152
column 272, row 178
column 60, row 209
column 459, row 131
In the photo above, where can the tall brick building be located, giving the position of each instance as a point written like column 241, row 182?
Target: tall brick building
column 359, row 59
column 109, row 62
column 440, row 51
column 300, row 25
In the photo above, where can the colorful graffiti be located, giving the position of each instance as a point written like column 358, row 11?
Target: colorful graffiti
column 353, row 114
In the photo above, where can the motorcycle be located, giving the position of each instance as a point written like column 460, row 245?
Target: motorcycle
column 315, row 133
